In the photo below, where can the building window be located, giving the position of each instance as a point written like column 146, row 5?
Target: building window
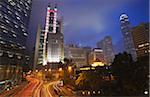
column 25, row 34
column 18, row 18
column 29, row 1
column 23, row 47
column 7, row 21
column 2, row 42
column 14, row 22
column 23, row 30
column 19, row 9
column 16, row 26
column 26, row 15
column 9, row 12
column 13, row 31
column 14, row 35
column 5, row 31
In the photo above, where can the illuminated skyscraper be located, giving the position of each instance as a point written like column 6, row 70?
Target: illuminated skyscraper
column 127, row 35
column 14, row 19
column 141, row 39
column 53, row 50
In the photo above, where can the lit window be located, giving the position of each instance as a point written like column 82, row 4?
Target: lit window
column 20, row 47
column 23, row 30
column 16, row 13
column 15, row 22
column 2, row 27
column 21, row 2
column 24, row 11
column 27, row 8
column 22, row 26
column 26, row 4
column 18, row 18
column 8, row 7
column 16, row 26
column 29, row 1
column 146, row 44
column 14, row 35
column 19, row 9
column 23, row 47
column 9, row 12
column 6, row 17
column 13, row 31
column 26, row 15
column 7, row 21
column 2, row 42
column 0, row 15
column 12, row 3
column 25, row 34
column 5, row 31
column 18, row 43
column 12, row 45
column 18, row 5
column 141, row 45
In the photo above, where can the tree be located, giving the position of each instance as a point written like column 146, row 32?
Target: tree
column 131, row 77
column 89, row 80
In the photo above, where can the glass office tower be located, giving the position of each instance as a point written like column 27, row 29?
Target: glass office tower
column 14, row 19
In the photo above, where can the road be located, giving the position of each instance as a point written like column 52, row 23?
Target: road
column 28, row 90
column 39, row 88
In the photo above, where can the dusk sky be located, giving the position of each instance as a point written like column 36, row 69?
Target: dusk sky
column 88, row 21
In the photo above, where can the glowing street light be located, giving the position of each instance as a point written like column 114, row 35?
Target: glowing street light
column 69, row 68
column 36, row 70
column 145, row 92
column 60, row 69
column 45, row 69
column 49, row 69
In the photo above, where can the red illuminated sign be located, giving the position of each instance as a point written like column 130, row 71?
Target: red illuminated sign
column 52, row 10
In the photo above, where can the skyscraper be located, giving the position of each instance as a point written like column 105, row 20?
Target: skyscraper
column 38, row 53
column 140, row 35
column 50, row 41
column 14, row 18
column 107, row 47
column 127, row 35
column 77, row 54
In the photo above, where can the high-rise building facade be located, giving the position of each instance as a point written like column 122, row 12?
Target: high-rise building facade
column 38, row 52
column 127, row 35
column 53, row 39
column 77, row 54
column 14, row 18
column 107, row 47
column 140, row 35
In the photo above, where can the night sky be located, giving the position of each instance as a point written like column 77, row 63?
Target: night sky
column 88, row 21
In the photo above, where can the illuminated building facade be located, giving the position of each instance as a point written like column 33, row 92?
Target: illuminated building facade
column 53, row 50
column 14, row 18
column 107, row 47
column 98, row 55
column 127, row 35
column 140, row 35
